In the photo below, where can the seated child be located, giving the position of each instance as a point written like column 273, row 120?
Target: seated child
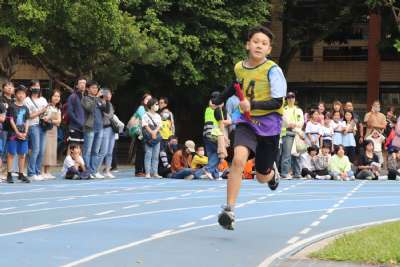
column 321, row 163
column 394, row 165
column 340, row 165
column 199, row 159
column 378, row 139
column 74, row 166
column 306, row 164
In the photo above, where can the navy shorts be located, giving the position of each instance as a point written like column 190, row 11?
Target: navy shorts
column 17, row 146
column 263, row 148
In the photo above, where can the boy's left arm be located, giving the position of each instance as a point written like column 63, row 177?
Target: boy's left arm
column 278, row 91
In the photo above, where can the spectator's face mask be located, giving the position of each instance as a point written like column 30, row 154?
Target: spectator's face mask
column 174, row 147
column 35, row 90
column 165, row 116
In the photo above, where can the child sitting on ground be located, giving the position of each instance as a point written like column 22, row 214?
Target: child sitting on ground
column 394, row 165
column 306, row 162
column 74, row 166
column 340, row 165
column 199, row 159
column 321, row 163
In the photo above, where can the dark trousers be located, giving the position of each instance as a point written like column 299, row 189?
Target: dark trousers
column 313, row 174
column 351, row 153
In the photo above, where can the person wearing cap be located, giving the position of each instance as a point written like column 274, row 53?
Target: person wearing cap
column 37, row 106
column 17, row 139
column 293, row 121
column 182, row 161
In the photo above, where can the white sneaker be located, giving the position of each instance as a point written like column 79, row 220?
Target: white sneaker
column 98, row 175
column 49, row 176
column 39, row 177
column 108, row 175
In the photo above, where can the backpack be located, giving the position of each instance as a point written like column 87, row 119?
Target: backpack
column 134, row 127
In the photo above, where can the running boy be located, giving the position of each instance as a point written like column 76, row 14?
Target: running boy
column 18, row 115
column 264, row 88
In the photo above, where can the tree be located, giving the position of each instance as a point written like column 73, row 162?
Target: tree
column 74, row 38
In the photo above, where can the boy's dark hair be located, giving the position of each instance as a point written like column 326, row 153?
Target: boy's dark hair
column 91, row 83
column 172, row 137
column 367, row 142
column 261, row 29
column 312, row 148
column 151, row 102
column 197, row 148
column 80, row 79
column 165, row 99
column 73, row 147
column 337, row 148
column 33, row 82
column 6, row 82
column 20, row 87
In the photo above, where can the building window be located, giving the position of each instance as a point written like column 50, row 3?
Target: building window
column 307, row 53
column 345, row 53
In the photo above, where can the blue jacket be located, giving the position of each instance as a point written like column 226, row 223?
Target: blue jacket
column 75, row 112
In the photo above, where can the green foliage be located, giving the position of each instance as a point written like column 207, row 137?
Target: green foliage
column 72, row 38
column 203, row 39
column 397, row 45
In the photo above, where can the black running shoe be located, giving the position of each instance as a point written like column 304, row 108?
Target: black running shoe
column 9, row 178
column 226, row 218
column 22, row 178
column 274, row 183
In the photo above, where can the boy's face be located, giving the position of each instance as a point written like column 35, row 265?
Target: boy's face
column 93, row 90
column 259, row 46
column 76, row 151
column 325, row 151
column 20, row 95
column 313, row 153
column 200, row 151
column 9, row 89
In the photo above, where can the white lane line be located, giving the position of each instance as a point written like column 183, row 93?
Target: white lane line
column 336, row 205
column 187, row 225
column 74, row 219
column 208, row 217
column 293, row 240
column 251, row 202
column 66, row 199
column 199, row 191
column 111, row 192
column 316, row 223
column 271, row 195
column 9, row 208
column 37, row 204
column 170, row 198
column 280, row 191
column 104, row 212
column 37, row 227
column 305, row 231
column 162, row 234
column 152, row 202
column 330, row 211
column 340, row 201
column 285, row 189
column 131, row 206
column 186, row 195
column 262, row 198
column 345, row 198
column 241, row 205
column 323, row 217
column 130, row 189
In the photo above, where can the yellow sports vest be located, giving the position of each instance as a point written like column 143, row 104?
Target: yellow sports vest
column 256, row 85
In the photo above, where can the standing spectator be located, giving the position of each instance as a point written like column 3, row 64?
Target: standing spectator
column 375, row 119
column 137, row 147
column 394, row 165
column 37, row 106
column 368, row 166
column 338, row 128
column 167, row 127
column 327, row 131
column 390, row 121
column 6, row 99
column 151, row 123
column 360, row 127
column 182, row 160
column 93, row 128
column 108, row 142
column 17, row 142
column 163, row 102
column 377, row 139
column 53, row 115
column 337, row 106
column 233, row 112
column 321, row 111
column 348, row 139
column 210, row 142
column 75, row 115
column 293, row 121
column 164, row 165
column 340, row 166
column 313, row 129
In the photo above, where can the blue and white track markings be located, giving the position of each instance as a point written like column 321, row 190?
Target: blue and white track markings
column 140, row 222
